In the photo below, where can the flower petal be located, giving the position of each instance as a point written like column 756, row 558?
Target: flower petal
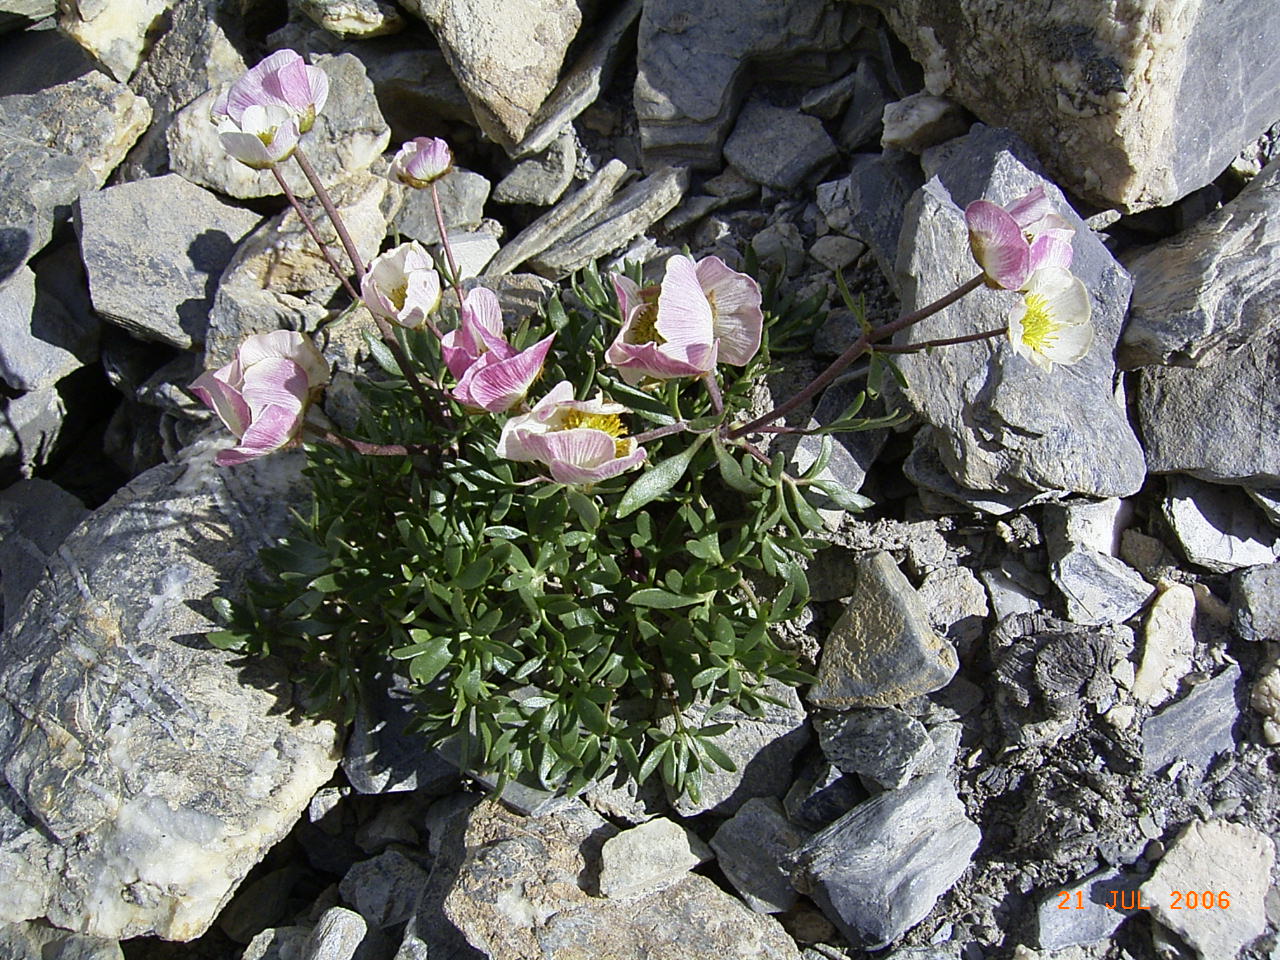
column 216, row 392
column 684, row 315
column 497, row 384
column 274, row 382
column 737, row 320
column 1071, row 344
column 1030, row 207
column 290, row 345
column 271, row 429
column 1051, row 250
column 998, row 244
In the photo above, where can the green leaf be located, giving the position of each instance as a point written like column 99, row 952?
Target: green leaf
column 592, row 716
column 476, row 573
column 657, row 481
column 503, row 532
column 586, row 509
column 382, row 354
column 655, row 757
column 804, row 510
column 706, row 677
column 842, row 496
column 227, row 639
column 730, row 471
column 661, row 599
column 427, row 665
column 718, row 756
column 824, row 457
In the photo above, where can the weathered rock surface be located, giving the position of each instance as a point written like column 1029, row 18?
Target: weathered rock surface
column 1255, row 602
column 59, row 142
column 1109, row 100
column 884, row 746
column 1087, row 918
column 541, row 178
column 1194, row 729
column 29, row 428
column 35, row 517
column 384, row 889
column 1098, row 588
column 1265, row 698
column 353, row 18
column 879, row 869
column 155, row 276
column 882, row 651
column 38, row 941
column 649, row 857
column 18, row 13
column 1001, row 423
column 1214, row 855
column 777, row 147
column 1168, row 644
column 1218, row 528
column 920, row 121
column 143, row 773
column 868, row 204
column 751, row 847
column 41, row 340
column 114, row 34
column 695, row 60
column 506, row 55
column 1216, row 422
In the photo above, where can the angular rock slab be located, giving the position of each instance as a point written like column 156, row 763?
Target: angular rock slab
column 155, row 274
column 878, row 870
column 41, row 340
column 1217, row 527
column 145, row 773
column 695, row 58
column 1194, row 729
column 1132, row 109
column 506, row 54
column 1000, row 422
column 114, row 34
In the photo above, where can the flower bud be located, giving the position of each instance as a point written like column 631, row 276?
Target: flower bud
column 422, row 161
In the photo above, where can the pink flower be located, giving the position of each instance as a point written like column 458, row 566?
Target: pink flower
column 263, row 394
column 421, row 161
column 261, row 138
column 281, row 80
column 1011, row 244
column 402, row 285
column 582, row 441
column 703, row 313
column 491, row 375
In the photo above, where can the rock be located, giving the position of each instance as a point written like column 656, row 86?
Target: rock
column 41, row 340
column 16, row 14
column 868, row 204
column 777, row 147
column 382, row 755
column 156, row 277
column 750, row 848
column 337, row 935
column 821, row 794
column 882, row 651
column 240, row 309
column 277, row 943
column 29, row 430
column 1210, row 289
column 1108, row 110
column 625, row 217
column 506, row 69
column 1010, row 594
column 561, row 219
column 462, row 198
column 1217, row 527
column 780, row 247
column 60, row 142
column 941, row 493
column 114, row 34
column 1268, row 501
column 473, row 250
column 353, row 18
column 260, row 904
column 835, row 252
column 146, row 772
column 38, row 941
column 695, row 60
column 1093, row 525
column 646, row 858
column 35, row 517
column 1265, row 698
column 1214, row 422
column 1214, row 856
column 384, row 889
column 1001, row 423
column 1168, row 644
column 851, row 453
column 580, row 85
column 542, row 178
column 1255, row 602
column 763, row 749
column 956, row 602
column 1080, row 913
column 921, row 121
column 1196, row 728
column 1098, row 588
column 827, row 101
column 878, row 870
column 863, row 122
column 348, row 136
column 884, row 746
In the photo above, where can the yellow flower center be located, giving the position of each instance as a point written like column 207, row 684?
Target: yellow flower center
column 267, row 136
column 1039, row 329
column 711, row 299
column 609, row 423
column 398, row 295
column 622, row 447
column 644, row 328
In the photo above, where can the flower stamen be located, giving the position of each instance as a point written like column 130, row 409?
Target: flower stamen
column 609, row 423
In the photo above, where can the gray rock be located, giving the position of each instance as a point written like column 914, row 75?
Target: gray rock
column 828, row 100
column 780, row 247
column 882, row 651
column 695, row 60
column 581, row 83
column 506, row 69
column 16, row 14
column 383, row 756
column 35, row 517
column 941, row 493
column 1194, row 729
column 750, row 848
column 240, row 309
column 114, row 37
column 384, row 889
column 337, row 935
column 921, row 121
column 561, row 219
column 1084, row 916
column 462, row 198
column 541, row 179
column 821, row 795
column 60, row 142
column 1255, row 602
column 878, row 870
column 763, row 749
column 348, row 136
column 156, row 276
column 625, row 217
column 277, row 943
column 1116, row 131
column 38, row 941
column 41, row 340
column 835, row 252
column 1098, row 588
column 1214, row 855
column 863, row 122
column 1210, row 289
column 151, row 771
column 30, row 426
column 473, row 250
column 412, row 81
column 777, row 147
column 353, row 18
column 1009, row 594
column 1268, row 501
column 956, row 602
column 868, row 204
column 260, row 904
column 648, row 857
column 851, row 453
column 1001, row 423
column 1094, row 525
column 1218, row 528
column 884, row 746
column 1215, row 422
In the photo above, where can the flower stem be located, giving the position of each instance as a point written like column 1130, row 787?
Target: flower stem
column 713, row 390
column 444, row 242
column 944, row 342
column 315, row 234
column 357, row 265
column 858, row 348
column 677, row 427
column 365, row 448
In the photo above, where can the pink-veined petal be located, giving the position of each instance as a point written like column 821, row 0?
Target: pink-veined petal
column 496, row 384
column 628, row 293
column 271, row 429
column 684, row 315
column 274, row 382
column 481, row 307
column 290, row 345
column 1051, row 250
column 998, row 244
column 737, row 320
column 514, row 443
column 635, row 361
column 1030, row 207
column 223, row 399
